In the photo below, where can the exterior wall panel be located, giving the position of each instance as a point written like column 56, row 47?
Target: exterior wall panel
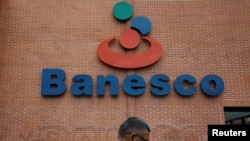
column 198, row 37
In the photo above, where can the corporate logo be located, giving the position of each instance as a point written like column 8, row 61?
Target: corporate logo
column 130, row 39
column 53, row 79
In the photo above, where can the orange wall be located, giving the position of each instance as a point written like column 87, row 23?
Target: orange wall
column 198, row 37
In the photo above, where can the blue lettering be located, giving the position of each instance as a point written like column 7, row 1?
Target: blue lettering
column 134, row 85
column 160, row 85
column 83, row 85
column 53, row 82
column 112, row 80
column 210, row 80
column 179, row 85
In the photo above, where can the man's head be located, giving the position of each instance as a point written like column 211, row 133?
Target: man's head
column 134, row 129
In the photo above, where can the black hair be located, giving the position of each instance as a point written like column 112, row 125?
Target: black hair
column 132, row 124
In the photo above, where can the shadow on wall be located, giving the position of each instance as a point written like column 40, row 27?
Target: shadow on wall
column 165, row 132
column 170, row 132
column 160, row 132
column 63, row 133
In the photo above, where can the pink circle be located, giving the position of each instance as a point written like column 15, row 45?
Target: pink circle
column 130, row 39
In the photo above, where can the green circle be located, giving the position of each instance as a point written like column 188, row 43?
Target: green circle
column 122, row 11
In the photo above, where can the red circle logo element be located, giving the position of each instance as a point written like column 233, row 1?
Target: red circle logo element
column 130, row 39
column 129, row 61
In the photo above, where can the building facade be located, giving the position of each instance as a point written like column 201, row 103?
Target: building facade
column 198, row 37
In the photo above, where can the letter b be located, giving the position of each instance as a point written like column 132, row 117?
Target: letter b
column 53, row 82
